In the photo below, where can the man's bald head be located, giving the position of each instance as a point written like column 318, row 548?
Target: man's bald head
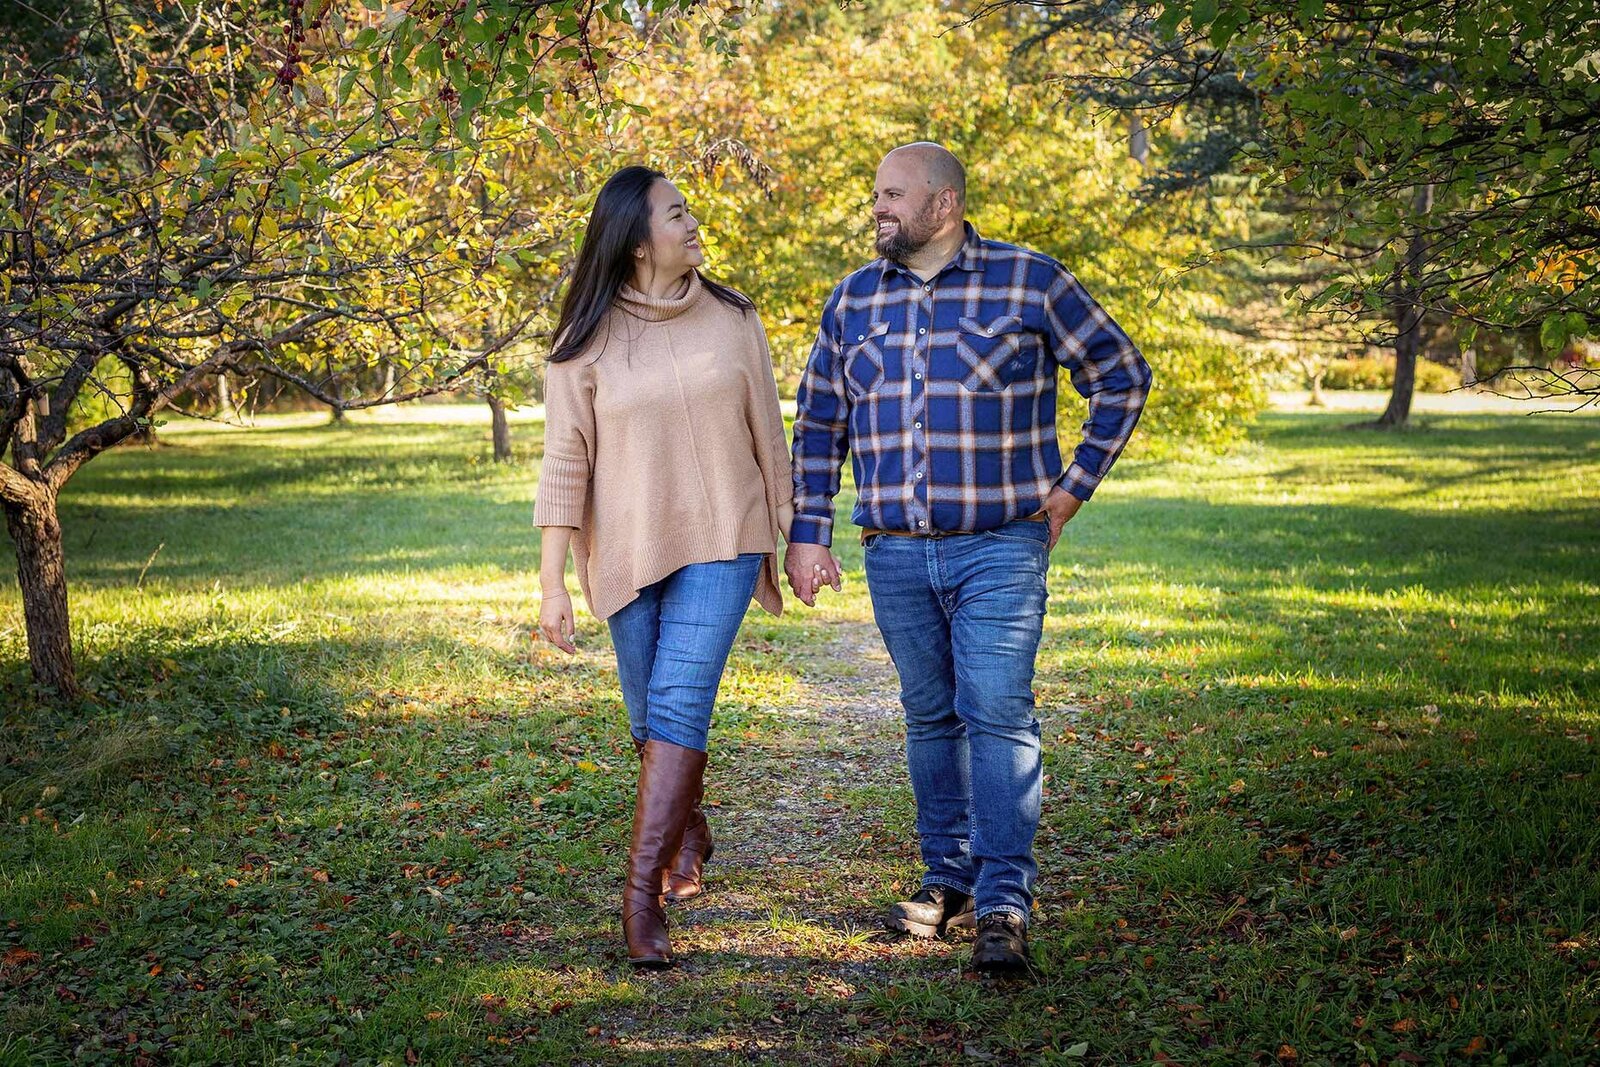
column 918, row 200
column 936, row 165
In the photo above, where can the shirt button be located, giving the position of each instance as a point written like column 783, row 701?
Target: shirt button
column 921, row 522
column 918, row 376
column 927, row 288
column 919, row 474
column 861, row 337
column 916, row 425
column 988, row 329
column 921, row 330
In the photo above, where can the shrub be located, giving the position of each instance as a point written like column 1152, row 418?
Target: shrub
column 1374, row 373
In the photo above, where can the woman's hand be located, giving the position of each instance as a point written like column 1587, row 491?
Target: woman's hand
column 557, row 621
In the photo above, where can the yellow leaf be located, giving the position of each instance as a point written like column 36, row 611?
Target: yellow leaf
column 585, row 765
column 141, row 78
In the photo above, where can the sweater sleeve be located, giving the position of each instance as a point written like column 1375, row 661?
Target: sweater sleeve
column 569, row 439
column 766, row 427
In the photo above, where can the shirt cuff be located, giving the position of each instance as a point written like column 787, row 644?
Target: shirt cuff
column 1079, row 482
column 810, row 530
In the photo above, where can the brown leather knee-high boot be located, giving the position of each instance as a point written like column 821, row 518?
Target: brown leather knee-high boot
column 669, row 778
column 684, row 880
column 685, row 876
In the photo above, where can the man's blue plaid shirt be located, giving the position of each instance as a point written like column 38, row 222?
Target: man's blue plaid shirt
column 944, row 393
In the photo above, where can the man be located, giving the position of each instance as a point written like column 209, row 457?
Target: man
column 935, row 367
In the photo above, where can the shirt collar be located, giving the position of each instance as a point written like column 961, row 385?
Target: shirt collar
column 969, row 257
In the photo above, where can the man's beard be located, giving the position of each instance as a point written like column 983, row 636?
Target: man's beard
column 908, row 238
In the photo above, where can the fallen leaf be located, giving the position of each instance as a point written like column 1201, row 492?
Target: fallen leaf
column 1236, row 787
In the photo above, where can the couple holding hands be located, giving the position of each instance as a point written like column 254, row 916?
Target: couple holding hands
column 668, row 476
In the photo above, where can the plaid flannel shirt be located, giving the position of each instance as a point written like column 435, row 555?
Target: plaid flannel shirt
column 944, row 393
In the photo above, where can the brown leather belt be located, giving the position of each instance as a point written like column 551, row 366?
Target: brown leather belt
column 866, row 532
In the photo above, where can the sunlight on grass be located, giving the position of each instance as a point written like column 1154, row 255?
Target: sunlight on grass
column 1318, row 719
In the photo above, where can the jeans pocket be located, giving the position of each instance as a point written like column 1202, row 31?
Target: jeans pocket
column 1029, row 531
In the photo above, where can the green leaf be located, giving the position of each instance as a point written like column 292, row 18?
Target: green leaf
column 1223, row 29
column 1203, row 13
column 1171, row 15
column 1553, row 334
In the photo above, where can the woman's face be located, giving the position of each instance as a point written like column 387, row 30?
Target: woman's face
column 674, row 244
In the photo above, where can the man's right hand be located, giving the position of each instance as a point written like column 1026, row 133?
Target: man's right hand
column 809, row 568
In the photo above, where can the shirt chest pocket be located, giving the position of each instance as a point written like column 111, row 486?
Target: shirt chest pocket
column 995, row 353
column 863, row 357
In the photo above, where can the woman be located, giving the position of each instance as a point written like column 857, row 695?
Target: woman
column 667, row 472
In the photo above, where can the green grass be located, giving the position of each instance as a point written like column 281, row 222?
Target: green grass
column 1319, row 730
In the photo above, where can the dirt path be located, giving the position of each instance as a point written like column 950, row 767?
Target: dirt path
column 783, row 959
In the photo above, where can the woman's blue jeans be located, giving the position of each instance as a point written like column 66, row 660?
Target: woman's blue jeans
column 962, row 617
column 672, row 644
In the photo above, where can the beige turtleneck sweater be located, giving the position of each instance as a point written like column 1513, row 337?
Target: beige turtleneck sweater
column 664, row 446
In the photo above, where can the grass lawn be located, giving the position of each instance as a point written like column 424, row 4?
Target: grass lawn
column 1319, row 724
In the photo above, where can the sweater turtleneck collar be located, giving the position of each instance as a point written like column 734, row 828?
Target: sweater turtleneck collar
column 657, row 308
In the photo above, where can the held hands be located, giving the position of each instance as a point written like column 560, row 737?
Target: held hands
column 809, row 568
column 1060, row 506
column 557, row 621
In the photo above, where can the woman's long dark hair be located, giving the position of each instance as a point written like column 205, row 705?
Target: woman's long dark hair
column 619, row 223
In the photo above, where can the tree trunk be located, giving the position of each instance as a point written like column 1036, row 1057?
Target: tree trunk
column 42, row 574
column 1138, row 140
column 1406, row 343
column 225, row 408
column 1315, row 376
column 502, row 430
column 1406, row 313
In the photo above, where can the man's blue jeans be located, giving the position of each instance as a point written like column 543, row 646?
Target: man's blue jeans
column 673, row 642
column 961, row 617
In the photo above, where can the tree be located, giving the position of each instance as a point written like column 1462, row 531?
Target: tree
column 1446, row 153
column 784, row 187
column 199, row 190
